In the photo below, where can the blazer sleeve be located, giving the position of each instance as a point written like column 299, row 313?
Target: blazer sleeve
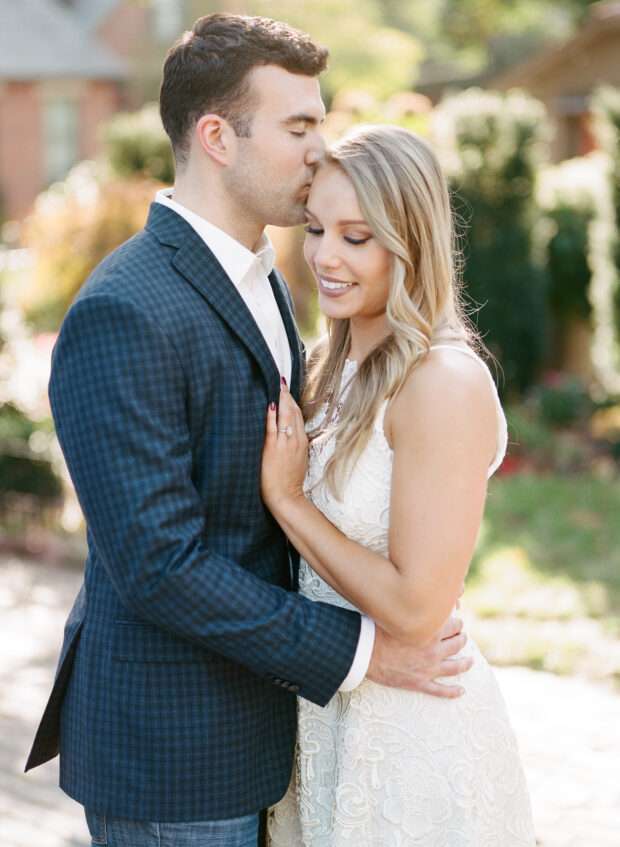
column 118, row 396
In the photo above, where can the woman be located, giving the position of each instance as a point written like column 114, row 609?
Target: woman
column 404, row 429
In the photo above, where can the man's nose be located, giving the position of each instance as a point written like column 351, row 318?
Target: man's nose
column 315, row 151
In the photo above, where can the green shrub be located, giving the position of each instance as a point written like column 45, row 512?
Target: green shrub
column 76, row 224
column 528, row 436
column 27, row 474
column 354, row 106
column 562, row 400
column 540, row 447
column 567, row 262
column 136, row 145
column 491, row 146
column 605, row 289
column 569, row 195
column 24, row 469
column 14, row 425
column 605, row 427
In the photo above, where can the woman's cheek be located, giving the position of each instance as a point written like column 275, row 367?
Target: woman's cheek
column 308, row 249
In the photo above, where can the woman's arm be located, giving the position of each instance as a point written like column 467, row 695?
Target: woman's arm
column 443, row 429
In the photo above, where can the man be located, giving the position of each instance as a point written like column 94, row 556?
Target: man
column 174, row 703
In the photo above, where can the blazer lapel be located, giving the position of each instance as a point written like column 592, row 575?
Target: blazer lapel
column 284, row 305
column 199, row 266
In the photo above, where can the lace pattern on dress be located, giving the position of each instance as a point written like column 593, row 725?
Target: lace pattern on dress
column 381, row 767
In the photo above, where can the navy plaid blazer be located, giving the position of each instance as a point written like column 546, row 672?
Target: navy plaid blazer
column 174, row 698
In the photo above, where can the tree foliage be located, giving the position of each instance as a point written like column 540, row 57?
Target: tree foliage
column 365, row 51
column 477, row 36
column 136, row 144
column 491, row 146
column 569, row 195
column 381, row 45
column 605, row 290
column 75, row 225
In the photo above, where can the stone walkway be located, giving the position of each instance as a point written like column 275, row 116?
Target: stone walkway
column 568, row 729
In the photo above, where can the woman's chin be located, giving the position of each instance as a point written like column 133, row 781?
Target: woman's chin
column 335, row 307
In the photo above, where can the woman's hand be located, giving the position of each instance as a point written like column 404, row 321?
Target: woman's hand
column 285, row 454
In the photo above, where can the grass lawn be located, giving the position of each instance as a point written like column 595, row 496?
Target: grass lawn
column 544, row 586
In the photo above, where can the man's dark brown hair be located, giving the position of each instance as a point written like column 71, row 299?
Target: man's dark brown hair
column 207, row 71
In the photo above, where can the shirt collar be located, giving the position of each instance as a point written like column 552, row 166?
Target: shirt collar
column 233, row 256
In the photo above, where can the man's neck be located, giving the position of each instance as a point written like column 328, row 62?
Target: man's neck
column 218, row 209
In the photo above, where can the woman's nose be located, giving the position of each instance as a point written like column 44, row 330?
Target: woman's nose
column 326, row 256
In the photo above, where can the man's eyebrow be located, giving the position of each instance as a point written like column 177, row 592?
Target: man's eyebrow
column 302, row 117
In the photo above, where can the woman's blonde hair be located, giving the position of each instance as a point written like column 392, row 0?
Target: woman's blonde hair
column 404, row 198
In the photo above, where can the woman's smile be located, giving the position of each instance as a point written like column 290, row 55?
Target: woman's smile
column 331, row 287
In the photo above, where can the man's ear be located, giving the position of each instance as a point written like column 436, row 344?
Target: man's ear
column 216, row 137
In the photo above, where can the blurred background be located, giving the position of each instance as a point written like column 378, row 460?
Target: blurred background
column 521, row 101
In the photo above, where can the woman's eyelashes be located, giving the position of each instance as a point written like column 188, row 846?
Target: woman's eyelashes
column 313, row 230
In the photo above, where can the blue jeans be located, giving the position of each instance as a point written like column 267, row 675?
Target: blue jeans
column 116, row 832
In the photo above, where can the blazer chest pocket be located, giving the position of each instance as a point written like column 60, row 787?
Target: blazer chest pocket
column 142, row 642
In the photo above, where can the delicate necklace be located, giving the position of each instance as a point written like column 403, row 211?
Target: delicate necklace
column 337, row 406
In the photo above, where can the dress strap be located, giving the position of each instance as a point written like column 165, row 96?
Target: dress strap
column 467, row 351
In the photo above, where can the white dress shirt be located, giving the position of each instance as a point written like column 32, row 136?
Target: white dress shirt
column 249, row 274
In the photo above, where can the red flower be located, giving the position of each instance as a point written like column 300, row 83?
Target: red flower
column 511, row 465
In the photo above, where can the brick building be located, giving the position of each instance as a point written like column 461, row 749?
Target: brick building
column 58, row 83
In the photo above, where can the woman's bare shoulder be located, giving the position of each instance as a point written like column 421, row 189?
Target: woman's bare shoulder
column 449, row 388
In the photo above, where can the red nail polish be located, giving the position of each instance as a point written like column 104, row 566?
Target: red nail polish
column 283, row 380
column 272, row 406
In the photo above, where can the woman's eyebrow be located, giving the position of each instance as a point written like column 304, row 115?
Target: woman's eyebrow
column 311, row 214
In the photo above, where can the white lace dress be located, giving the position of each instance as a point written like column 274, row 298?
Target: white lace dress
column 382, row 767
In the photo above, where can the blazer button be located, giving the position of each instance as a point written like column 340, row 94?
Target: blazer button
column 294, row 689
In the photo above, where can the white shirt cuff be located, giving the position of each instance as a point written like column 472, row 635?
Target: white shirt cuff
column 361, row 660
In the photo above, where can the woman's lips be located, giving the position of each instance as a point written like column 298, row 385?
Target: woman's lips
column 333, row 287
